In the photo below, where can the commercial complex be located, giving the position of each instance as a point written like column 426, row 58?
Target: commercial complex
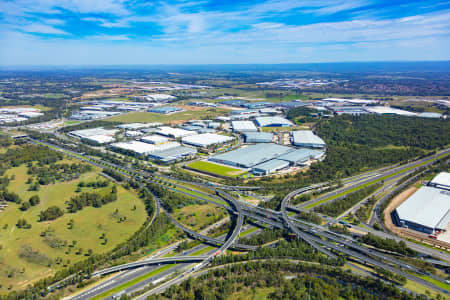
column 206, row 139
column 306, row 138
column 250, row 156
column 165, row 110
column 273, row 122
column 270, row 166
column 95, row 135
column 243, row 126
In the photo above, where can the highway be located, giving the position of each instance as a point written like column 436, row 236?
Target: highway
column 282, row 220
column 358, row 181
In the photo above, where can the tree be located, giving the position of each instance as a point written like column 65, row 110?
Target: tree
column 51, row 213
column 34, row 200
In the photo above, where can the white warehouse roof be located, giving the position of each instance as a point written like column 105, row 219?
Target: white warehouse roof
column 428, row 206
column 273, row 121
column 206, row 139
column 154, row 139
column 307, row 138
column 241, row 126
column 174, row 132
column 135, row 146
column 442, row 180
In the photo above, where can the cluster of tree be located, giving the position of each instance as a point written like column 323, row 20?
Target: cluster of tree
column 388, row 244
column 287, row 249
column 94, row 184
column 339, row 229
column 311, row 282
column 6, row 140
column 58, row 172
column 388, row 275
column 77, row 202
column 171, row 200
column 336, row 207
column 4, row 182
column 363, row 213
column 310, row 217
column 51, row 213
column 23, row 224
column 33, row 201
column 5, row 195
column 385, row 130
column 114, row 174
column 300, row 199
column 265, row 236
column 28, row 153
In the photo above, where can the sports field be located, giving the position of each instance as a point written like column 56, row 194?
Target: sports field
column 27, row 256
column 216, row 169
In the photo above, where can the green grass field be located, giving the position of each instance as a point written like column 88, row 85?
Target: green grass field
column 147, row 117
column 89, row 224
column 216, row 169
column 198, row 217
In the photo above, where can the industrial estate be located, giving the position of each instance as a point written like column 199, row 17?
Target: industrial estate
column 161, row 185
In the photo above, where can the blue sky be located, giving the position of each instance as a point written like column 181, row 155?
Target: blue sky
column 124, row 32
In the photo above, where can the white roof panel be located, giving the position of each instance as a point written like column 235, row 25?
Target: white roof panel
column 428, row 207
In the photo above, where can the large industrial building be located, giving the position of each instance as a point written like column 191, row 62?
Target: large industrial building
column 173, row 154
column 306, row 138
column 95, row 135
column 301, row 156
column 174, row 132
column 243, row 126
column 165, row 110
column 258, row 137
column 273, row 122
column 154, row 139
column 206, row 139
column 441, row 181
column 250, row 156
column 427, row 210
column 270, row 166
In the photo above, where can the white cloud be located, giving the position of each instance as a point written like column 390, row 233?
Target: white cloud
column 42, row 28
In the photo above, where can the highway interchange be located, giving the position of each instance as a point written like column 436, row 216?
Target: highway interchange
column 319, row 237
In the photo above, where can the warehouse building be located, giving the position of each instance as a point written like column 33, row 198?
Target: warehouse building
column 174, row 132
column 258, row 137
column 206, row 139
column 165, row 110
column 243, row 126
column 273, row 122
column 133, row 133
column 427, row 210
column 133, row 147
column 269, row 167
column 137, row 126
column 441, row 181
column 306, row 138
column 95, row 135
column 301, row 156
column 173, row 154
column 154, row 139
column 251, row 156
column 431, row 115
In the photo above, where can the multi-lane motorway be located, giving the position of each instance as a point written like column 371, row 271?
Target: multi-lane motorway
column 320, row 238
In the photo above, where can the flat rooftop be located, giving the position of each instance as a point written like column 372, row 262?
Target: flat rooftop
column 306, row 137
column 428, row 206
column 243, row 126
column 253, row 155
column 206, row 139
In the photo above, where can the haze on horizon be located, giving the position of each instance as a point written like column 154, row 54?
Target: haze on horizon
column 135, row 32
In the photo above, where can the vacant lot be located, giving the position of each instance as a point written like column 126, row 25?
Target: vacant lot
column 216, row 169
column 147, row 117
column 26, row 256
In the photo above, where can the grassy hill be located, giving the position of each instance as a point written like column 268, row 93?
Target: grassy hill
column 27, row 256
